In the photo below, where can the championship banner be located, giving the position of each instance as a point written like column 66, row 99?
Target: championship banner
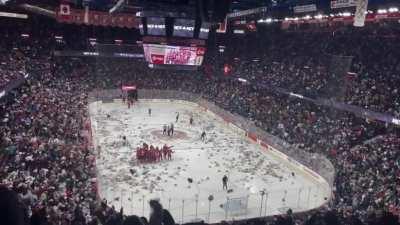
column 335, row 4
column 305, row 8
column 247, row 12
column 69, row 15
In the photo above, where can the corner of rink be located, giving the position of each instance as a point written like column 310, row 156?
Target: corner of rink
column 262, row 181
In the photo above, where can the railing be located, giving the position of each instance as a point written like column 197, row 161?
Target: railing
column 25, row 75
column 270, row 202
column 11, row 85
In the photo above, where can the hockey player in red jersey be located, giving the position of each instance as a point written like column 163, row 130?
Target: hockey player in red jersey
column 169, row 152
column 150, row 154
column 159, row 154
column 165, row 151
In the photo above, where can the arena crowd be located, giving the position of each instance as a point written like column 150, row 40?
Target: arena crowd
column 48, row 166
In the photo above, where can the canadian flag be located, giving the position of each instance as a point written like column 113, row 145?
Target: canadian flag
column 65, row 10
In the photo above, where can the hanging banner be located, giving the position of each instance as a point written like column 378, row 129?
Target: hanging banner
column 247, row 12
column 69, row 15
column 305, row 8
column 335, row 4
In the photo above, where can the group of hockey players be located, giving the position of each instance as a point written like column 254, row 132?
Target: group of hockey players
column 149, row 154
column 168, row 129
column 128, row 100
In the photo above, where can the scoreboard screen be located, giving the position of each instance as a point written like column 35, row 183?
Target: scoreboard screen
column 173, row 55
column 204, row 30
column 156, row 26
column 184, row 28
column 174, row 42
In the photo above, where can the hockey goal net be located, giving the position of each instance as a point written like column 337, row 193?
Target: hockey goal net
column 236, row 206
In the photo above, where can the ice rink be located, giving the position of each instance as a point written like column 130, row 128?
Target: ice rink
column 123, row 181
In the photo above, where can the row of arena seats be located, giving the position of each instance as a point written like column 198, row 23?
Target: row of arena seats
column 302, row 63
column 12, row 67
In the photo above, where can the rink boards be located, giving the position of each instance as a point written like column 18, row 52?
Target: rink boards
column 320, row 184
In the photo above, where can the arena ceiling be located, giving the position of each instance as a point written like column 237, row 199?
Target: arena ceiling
column 275, row 7
column 235, row 5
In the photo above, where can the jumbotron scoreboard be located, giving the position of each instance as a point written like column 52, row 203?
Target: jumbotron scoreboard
column 173, row 42
column 158, row 54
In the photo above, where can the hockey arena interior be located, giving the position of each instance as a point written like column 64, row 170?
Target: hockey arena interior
column 164, row 112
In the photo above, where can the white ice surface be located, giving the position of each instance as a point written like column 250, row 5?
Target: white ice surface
column 250, row 168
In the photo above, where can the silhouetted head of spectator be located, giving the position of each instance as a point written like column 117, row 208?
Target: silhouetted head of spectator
column 38, row 216
column 167, row 218
column 132, row 220
column 144, row 220
column 11, row 210
column 156, row 215
column 388, row 218
column 289, row 212
column 331, row 218
column 354, row 220
column 155, row 206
